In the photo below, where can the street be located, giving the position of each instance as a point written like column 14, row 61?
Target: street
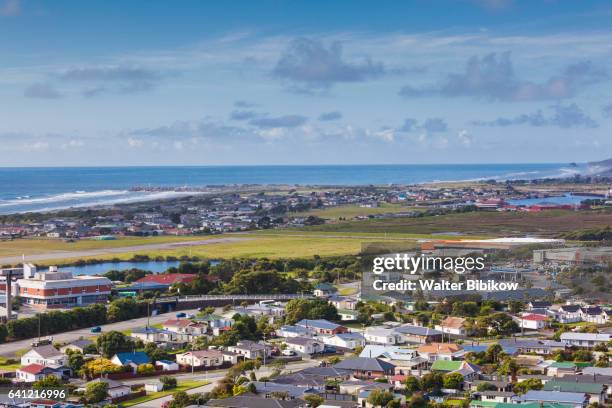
column 10, row 349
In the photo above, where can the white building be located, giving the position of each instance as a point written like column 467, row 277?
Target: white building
column 345, row 340
column 201, row 358
column 588, row 340
column 47, row 356
column 304, row 345
column 382, row 335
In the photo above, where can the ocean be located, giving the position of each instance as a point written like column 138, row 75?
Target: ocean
column 51, row 188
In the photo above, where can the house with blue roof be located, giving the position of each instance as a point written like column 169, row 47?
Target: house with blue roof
column 574, row 399
column 131, row 358
column 322, row 326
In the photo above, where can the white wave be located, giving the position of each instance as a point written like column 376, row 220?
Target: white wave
column 62, row 197
column 132, row 198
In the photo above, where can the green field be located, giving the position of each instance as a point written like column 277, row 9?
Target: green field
column 545, row 224
column 352, row 211
column 40, row 245
column 183, row 386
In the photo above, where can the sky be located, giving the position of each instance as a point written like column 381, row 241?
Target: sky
column 240, row 82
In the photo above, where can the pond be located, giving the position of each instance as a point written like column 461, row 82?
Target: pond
column 101, row 268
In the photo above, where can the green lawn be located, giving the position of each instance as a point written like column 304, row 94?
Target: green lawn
column 184, row 386
column 4, row 365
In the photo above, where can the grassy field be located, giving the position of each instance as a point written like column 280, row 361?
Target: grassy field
column 255, row 246
column 183, row 386
column 40, row 246
column 352, row 211
column 6, row 366
column 545, row 224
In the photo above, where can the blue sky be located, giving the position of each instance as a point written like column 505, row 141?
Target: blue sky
column 304, row 82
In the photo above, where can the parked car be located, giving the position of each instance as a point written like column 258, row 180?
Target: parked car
column 288, row 353
column 96, row 329
column 179, row 315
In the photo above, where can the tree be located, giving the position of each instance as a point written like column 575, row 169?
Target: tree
column 494, row 353
column 147, row 368
column 508, row 366
column 99, row 366
column 49, row 381
column 485, row 386
column 298, row 309
column 453, row 381
column 314, row 400
column 113, row 342
column 380, row 398
column 168, row 381
column 180, row 399
column 432, row 382
column 412, row 384
column 529, row 384
column 76, row 361
column 96, row 392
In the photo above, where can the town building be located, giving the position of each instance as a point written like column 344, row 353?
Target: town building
column 55, row 289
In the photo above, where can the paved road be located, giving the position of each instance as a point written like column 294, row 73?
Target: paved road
column 9, row 349
column 118, row 250
column 214, row 378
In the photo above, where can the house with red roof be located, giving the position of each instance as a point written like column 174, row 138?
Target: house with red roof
column 533, row 321
column 34, row 372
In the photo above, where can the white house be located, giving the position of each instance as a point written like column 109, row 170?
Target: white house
column 293, row 331
column 44, row 355
column 250, row 349
column 345, row 340
column 569, row 314
column 167, row 365
column 201, row 358
column 533, row 321
column 382, row 335
column 34, row 372
column 452, row 325
column 154, row 386
column 587, row 340
column 304, row 345
column 116, row 389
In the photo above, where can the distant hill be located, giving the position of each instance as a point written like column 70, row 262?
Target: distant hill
column 600, row 168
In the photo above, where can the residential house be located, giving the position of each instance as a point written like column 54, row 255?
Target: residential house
column 184, row 326
column 569, row 314
column 453, row 325
column 364, row 367
column 588, row 340
column 467, row 370
column 322, row 326
column 345, row 340
column 593, row 314
column 304, row 345
column 418, row 334
column 528, row 346
column 314, row 377
column 79, row 345
column 347, row 315
column 116, row 389
column 201, row 358
column 250, row 349
column 131, row 359
column 506, row 397
column 343, row 302
column 561, row 369
column 167, row 365
column 573, row 399
column 154, row 386
column 34, row 372
column 538, row 305
column 440, row 351
column 362, row 399
column 596, row 392
column 382, row 335
column 354, row 387
column 154, row 335
column 254, row 401
column 47, row 356
column 324, row 290
column 533, row 321
column 268, row 389
column 604, row 380
column 293, row 331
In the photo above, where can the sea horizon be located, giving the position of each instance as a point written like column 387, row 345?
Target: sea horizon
column 25, row 189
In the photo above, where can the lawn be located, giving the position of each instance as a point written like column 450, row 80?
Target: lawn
column 352, row 211
column 40, row 246
column 6, row 366
column 253, row 246
column 546, row 223
column 184, row 386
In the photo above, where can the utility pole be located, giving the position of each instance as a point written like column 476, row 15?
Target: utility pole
column 264, row 351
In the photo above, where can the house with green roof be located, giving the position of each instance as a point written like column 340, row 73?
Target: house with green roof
column 561, row 368
column 446, row 366
column 595, row 391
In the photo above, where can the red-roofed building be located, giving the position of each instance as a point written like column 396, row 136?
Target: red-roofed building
column 172, row 278
column 35, row 372
column 533, row 321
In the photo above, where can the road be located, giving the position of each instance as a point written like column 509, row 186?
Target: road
column 10, row 349
column 119, row 250
column 214, row 378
